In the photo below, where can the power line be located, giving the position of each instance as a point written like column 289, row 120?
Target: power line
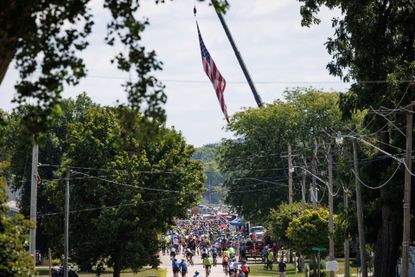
column 188, row 81
column 106, row 207
column 378, row 187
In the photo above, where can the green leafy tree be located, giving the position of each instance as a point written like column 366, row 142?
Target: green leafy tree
column 115, row 143
column 309, row 230
column 255, row 163
column 214, row 178
column 280, row 218
column 373, row 44
column 17, row 148
column 128, row 191
column 14, row 258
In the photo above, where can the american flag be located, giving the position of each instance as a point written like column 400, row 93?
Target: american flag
column 214, row 75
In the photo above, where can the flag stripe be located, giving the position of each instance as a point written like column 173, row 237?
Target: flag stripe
column 218, row 82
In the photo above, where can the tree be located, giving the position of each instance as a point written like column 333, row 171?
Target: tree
column 14, row 257
column 115, row 144
column 214, row 178
column 280, row 218
column 128, row 189
column 47, row 37
column 309, row 230
column 255, row 162
column 17, row 147
column 374, row 46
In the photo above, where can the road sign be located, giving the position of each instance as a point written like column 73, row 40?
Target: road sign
column 332, row 266
column 318, row 248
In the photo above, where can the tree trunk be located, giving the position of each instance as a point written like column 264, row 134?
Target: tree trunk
column 5, row 60
column 386, row 244
column 117, row 270
column 15, row 22
column 388, row 236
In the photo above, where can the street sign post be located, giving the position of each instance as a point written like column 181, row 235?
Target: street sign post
column 318, row 249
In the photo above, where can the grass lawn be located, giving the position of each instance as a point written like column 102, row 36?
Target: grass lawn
column 145, row 272
column 259, row 270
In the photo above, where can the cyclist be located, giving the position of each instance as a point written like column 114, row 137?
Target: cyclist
column 245, row 268
column 172, row 253
column 176, row 268
column 232, row 268
column 214, row 255
column 204, row 253
column 189, row 256
column 183, row 267
column 225, row 261
column 207, row 263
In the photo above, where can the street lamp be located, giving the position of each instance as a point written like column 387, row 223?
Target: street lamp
column 339, row 139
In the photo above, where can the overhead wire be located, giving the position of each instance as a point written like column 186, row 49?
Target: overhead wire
column 411, row 82
column 106, row 207
column 377, row 187
column 94, row 76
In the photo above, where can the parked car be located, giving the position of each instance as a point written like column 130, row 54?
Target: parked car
column 58, row 271
column 258, row 230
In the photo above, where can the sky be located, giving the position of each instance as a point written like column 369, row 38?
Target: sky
column 278, row 52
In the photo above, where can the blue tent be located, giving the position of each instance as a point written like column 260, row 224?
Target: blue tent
column 238, row 221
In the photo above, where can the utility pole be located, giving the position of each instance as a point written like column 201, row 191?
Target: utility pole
column 359, row 206
column 290, row 175
column 346, row 241
column 66, row 242
column 313, row 177
column 314, row 196
column 33, row 201
column 303, row 181
column 406, row 239
column 238, row 55
column 330, row 196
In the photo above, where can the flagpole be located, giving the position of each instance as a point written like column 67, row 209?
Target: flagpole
column 238, row 56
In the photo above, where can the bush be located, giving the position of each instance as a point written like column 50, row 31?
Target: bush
column 56, row 261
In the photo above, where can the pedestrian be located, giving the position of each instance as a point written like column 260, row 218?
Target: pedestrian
column 281, row 268
column 196, row 274
column 176, row 268
column 183, row 268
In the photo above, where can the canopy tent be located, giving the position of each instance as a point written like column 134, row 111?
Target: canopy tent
column 238, row 221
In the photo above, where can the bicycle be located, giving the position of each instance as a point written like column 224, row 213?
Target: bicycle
column 207, row 269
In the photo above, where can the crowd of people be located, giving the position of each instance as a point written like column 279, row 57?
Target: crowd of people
column 216, row 242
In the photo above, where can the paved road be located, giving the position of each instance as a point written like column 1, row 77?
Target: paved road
column 217, row 271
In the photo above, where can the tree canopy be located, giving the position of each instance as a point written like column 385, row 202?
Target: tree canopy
column 280, row 218
column 256, row 162
column 15, row 261
column 125, row 188
column 373, row 45
column 308, row 230
column 214, row 178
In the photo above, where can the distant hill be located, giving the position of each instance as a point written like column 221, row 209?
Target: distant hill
column 215, row 191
